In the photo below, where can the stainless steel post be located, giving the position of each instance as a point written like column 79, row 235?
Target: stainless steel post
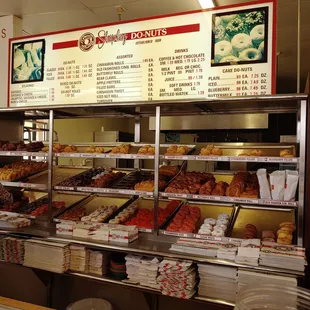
column 50, row 165
column 156, row 167
column 298, row 44
column 137, row 162
column 301, row 140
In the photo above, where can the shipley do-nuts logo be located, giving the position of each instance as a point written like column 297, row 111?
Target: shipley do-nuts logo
column 87, row 41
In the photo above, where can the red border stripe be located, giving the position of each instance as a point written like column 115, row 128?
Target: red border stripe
column 67, row 44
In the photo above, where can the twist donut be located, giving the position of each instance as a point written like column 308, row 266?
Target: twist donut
column 222, row 49
column 258, row 34
column 250, row 54
column 240, row 42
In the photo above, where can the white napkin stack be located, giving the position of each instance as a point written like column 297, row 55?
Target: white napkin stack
column 13, row 250
column 50, row 256
column 246, row 278
column 148, row 272
column 79, row 258
column 98, row 262
column 217, row 282
column 142, row 270
column 178, row 278
column 248, row 252
column 283, row 256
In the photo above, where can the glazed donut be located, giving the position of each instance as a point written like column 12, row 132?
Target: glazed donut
column 222, row 49
column 235, row 26
column 261, row 47
column 240, row 42
column 258, row 34
column 250, row 54
column 218, row 233
column 205, row 232
column 210, row 221
column 227, row 18
column 230, row 59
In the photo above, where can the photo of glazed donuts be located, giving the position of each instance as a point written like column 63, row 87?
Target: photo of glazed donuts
column 240, row 37
column 28, row 61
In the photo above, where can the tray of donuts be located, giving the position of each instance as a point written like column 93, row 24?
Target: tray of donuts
column 95, row 209
column 176, row 151
column 267, row 224
column 143, row 215
column 200, row 220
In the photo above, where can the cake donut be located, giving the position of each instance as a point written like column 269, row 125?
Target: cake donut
column 261, row 47
column 222, row 49
column 229, row 58
column 235, row 26
column 250, row 54
column 258, row 34
column 227, row 18
column 240, row 42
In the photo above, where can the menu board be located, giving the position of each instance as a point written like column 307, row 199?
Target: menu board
column 223, row 52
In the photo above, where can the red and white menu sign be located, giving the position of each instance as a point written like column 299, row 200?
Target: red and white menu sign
column 223, row 52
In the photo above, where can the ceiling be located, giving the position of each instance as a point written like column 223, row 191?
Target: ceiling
column 51, row 15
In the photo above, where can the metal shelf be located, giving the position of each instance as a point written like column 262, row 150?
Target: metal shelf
column 237, row 200
column 39, row 187
column 23, row 153
column 160, row 247
column 281, row 103
column 247, row 159
column 107, row 279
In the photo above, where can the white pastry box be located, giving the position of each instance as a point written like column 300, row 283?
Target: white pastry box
column 100, row 233
column 124, row 234
column 65, row 229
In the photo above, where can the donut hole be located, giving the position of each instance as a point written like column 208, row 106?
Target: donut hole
column 252, row 55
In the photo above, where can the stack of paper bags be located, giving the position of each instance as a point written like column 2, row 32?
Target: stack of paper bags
column 250, row 278
column 148, row 272
column 283, row 256
column 217, row 282
column 50, row 256
column 79, row 258
column 228, row 250
column 248, row 252
column 196, row 246
column 98, row 262
column 177, row 278
column 13, row 250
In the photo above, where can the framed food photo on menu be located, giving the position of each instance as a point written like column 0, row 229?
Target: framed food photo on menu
column 28, row 61
column 240, row 37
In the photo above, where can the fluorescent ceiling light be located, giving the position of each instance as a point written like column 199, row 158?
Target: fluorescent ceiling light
column 206, row 4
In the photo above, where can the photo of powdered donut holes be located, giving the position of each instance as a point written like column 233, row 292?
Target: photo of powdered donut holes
column 240, row 37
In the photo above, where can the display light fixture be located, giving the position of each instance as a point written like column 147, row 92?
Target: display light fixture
column 206, row 4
